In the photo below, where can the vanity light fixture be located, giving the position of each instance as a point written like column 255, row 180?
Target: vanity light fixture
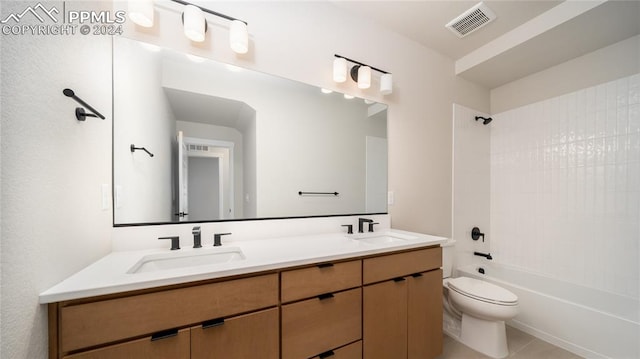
column 324, row 90
column 195, row 26
column 349, row 97
column 141, row 12
column 194, row 23
column 339, row 70
column 360, row 73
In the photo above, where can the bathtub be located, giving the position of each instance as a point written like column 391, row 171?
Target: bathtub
column 588, row 322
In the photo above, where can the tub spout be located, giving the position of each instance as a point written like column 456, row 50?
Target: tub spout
column 486, row 255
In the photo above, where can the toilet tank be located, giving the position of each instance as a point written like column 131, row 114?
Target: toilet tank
column 448, row 249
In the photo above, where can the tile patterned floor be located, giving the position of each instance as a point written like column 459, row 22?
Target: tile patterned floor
column 521, row 346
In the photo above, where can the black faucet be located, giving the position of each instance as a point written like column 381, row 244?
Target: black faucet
column 486, row 255
column 371, row 225
column 349, row 228
column 175, row 242
column 197, row 238
column 217, row 241
column 361, row 221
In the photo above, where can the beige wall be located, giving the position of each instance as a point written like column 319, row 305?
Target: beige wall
column 603, row 65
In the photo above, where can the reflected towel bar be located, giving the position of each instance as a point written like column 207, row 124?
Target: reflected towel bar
column 302, row 193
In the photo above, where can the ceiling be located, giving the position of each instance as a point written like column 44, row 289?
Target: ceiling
column 526, row 37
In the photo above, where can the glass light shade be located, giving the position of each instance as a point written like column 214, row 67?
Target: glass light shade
column 364, row 77
column 141, row 12
column 386, row 84
column 239, row 37
column 339, row 69
column 194, row 23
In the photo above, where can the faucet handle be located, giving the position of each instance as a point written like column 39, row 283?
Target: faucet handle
column 349, row 228
column 217, row 240
column 371, row 225
column 175, row 242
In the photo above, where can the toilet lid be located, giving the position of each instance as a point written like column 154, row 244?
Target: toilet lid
column 482, row 290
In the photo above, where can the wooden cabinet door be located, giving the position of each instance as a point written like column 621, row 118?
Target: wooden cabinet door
column 385, row 320
column 244, row 336
column 173, row 347
column 425, row 315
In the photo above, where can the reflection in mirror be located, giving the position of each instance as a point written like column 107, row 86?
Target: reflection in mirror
column 231, row 143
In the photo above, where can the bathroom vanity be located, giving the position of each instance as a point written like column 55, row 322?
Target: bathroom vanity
column 354, row 300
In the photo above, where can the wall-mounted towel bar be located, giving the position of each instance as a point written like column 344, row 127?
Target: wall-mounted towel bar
column 302, row 193
column 134, row 148
column 81, row 115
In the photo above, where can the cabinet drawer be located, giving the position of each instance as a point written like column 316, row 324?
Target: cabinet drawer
column 317, row 325
column 239, row 337
column 397, row 265
column 351, row 351
column 176, row 347
column 324, row 278
column 85, row 325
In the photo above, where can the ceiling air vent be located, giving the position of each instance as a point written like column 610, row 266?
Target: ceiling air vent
column 471, row 20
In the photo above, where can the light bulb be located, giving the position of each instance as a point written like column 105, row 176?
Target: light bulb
column 141, row 12
column 239, row 37
column 339, row 69
column 194, row 23
column 364, row 77
column 386, row 84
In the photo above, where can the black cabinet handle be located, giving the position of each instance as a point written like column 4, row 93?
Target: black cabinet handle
column 325, row 296
column 416, row 275
column 164, row 334
column 325, row 265
column 212, row 323
column 327, row 354
column 400, row 279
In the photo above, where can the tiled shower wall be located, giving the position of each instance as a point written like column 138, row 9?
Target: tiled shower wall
column 565, row 187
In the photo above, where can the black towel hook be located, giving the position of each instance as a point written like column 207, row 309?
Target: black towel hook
column 134, row 148
column 80, row 112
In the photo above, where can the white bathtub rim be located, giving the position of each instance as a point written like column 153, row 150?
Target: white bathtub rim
column 471, row 270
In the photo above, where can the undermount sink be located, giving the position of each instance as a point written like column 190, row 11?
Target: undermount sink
column 197, row 257
column 382, row 238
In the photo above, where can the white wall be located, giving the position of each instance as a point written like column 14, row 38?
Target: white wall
column 53, row 167
column 609, row 63
column 471, row 195
column 565, row 186
column 150, row 124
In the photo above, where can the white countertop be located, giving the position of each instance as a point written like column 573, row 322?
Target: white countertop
column 109, row 274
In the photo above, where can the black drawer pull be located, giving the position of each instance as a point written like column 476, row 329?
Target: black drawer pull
column 164, row 334
column 400, row 279
column 325, row 265
column 327, row 354
column 212, row 323
column 325, row 296
column 416, row 275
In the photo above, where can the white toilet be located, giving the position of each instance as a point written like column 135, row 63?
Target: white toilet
column 476, row 310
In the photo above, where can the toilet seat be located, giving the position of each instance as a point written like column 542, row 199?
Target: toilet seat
column 483, row 291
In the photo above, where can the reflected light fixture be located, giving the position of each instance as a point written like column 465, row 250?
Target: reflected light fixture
column 324, row 90
column 360, row 73
column 195, row 26
column 141, row 12
column 349, row 97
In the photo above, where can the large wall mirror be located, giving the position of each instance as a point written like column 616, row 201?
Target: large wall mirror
column 231, row 144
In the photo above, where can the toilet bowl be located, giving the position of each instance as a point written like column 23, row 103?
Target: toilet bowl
column 481, row 307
